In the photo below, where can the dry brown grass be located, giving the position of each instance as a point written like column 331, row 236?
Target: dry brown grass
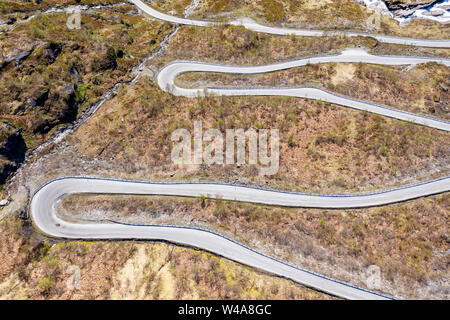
column 324, row 148
column 66, row 71
column 34, row 269
column 81, row 50
column 311, row 14
column 422, row 89
column 236, row 45
column 334, row 149
column 407, row 241
column 175, row 7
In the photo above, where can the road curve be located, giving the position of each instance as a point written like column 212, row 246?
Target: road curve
column 167, row 75
column 44, row 215
column 256, row 27
column 43, row 204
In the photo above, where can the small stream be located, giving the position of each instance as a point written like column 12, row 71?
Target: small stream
column 62, row 133
column 59, row 135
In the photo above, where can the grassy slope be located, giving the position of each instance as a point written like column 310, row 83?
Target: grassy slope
column 323, row 148
column 422, row 89
column 407, row 241
column 34, row 269
column 84, row 50
column 236, row 45
column 135, row 129
column 312, row 14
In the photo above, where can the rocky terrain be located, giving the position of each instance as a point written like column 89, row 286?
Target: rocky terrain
column 36, row 268
column 407, row 7
column 338, row 243
column 49, row 78
column 12, row 150
column 84, row 102
column 406, row 11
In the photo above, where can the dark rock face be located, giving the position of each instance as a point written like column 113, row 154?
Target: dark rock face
column 17, row 57
column 60, row 106
column 6, row 168
column 11, row 20
column 12, row 145
column 39, row 97
column 105, row 61
column 22, row 56
column 52, row 51
column 120, row 53
column 75, row 75
column 12, row 150
column 69, row 111
column 403, row 8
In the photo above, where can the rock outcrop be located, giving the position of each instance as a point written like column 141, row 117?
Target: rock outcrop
column 404, row 8
column 12, row 149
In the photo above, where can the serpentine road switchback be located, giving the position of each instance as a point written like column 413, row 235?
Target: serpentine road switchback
column 167, row 75
column 43, row 203
column 46, row 219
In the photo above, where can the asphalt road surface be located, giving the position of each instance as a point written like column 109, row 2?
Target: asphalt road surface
column 46, row 219
column 167, row 75
column 254, row 26
column 43, row 204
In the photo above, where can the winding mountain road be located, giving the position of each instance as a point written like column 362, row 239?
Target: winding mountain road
column 45, row 217
column 166, row 81
column 256, row 27
column 43, row 204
